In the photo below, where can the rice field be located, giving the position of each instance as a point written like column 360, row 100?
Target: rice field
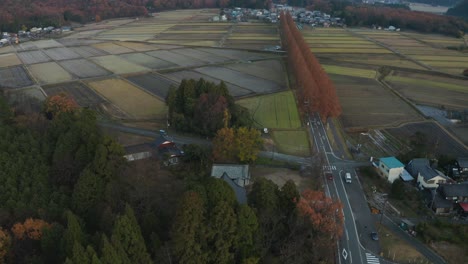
column 9, row 59
column 83, row 68
column 61, row 54
column 147, row 61
column 83, row 95
column 266, row 69
column 173, row 57
column 14, row 77
column 292, row 142
column 49, row 72
column 355, row 72
column 428, row 83
column 112, row 48
column 118, row 65
column 130, row 99
column 35, row 56
column 276, row 111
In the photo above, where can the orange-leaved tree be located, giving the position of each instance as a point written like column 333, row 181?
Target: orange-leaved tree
column 31, row 228
column 5, row 243
column 59, row 103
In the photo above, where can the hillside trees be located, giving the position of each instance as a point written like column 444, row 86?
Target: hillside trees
column 314, row 86
column 204, row 107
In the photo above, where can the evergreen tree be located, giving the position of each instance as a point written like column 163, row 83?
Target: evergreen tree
column 88, row 191
column 220, row 233
column 127, row 233
column 247, row 228
column 108, row 253
column 73, row 234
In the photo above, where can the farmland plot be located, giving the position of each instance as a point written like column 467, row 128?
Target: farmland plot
column 112, row 48
column 293, row 142
column 88, row 51
column 72, row 42
column 234, row 90
column 47, row 43
column 267, row 69
column 83, row 68
column 61, row 54
column 137, row 46
column 7, row 49
column 49, row 72
column 14, row 77
column 178, row 59
column 147, row 61
column 33, row 92
column 201, row 55
column 9, row 59
column 129, row 98
column 35, row 56
column 84, row 96
column 118, row 65
column 238, row 54
column 153, row 83
column 243, row 80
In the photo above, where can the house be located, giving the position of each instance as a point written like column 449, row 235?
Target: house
column 462, row 165
column 427, row 177
column 391, row 169
column 450, row 198
column 166, row 149
column 239, row 191
column 138, row 152
column 240, row 174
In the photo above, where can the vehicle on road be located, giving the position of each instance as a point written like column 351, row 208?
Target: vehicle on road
column 329, row 176
column 374, row 236
column 348, row 177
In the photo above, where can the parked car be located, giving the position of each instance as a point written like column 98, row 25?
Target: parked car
column 329, row 176
column 374, row 236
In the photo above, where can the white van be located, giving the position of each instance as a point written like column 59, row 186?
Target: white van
column 348, row 177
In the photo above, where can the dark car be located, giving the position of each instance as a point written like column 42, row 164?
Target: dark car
column 374, row 236
column 329, row 176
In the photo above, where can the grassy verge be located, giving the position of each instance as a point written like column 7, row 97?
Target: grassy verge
column 355, row 72
column 265, row 161
column 398, row 250
column 293, row 142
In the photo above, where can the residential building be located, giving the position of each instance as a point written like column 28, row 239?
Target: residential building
column 462, row 165
column 391, row 169
column 239, row 191
column 450, row 198
column 239, row 173
column 426, row 176
column 165, row 149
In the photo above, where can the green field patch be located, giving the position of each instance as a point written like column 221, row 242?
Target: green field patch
column 451, row 64
column 344, row 46
column 254, row 38
column 341, row 50
column 349, row 42
column 355, row 72
column 293, row 142
column 422, row 82
column 383, row 62
column 276, row 110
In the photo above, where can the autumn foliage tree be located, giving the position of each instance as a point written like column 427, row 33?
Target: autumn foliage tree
column 236, row 145
column 59, row 103
column 314, row 87
column 31, row 228
column 5, row 243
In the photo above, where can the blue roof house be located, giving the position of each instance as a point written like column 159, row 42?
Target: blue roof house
column 390, row 168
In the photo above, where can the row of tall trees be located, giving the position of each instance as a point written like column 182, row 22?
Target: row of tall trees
column 314, row 87
column 203, row 108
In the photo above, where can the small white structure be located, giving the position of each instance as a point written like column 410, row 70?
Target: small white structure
column 427, row 177
column 390, row 168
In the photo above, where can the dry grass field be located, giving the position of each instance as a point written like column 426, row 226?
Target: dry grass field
column 61, row 54
column 147, row 61
column 9, row 59
column 130, row 99
column 272, row 70
column 35, row 56
column 49, row 72
column 155, row 84
column 118, row 65
column 83, row 68
column 112, row 48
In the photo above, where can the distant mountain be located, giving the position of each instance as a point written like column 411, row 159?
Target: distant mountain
column 460, row 10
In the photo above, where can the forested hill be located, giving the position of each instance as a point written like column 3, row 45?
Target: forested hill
column 460, row 10
column 15, row 13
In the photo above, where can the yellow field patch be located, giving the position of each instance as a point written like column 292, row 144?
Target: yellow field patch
column 355, row 72
column 341, row 50
column 130, row 98
column 9, row 59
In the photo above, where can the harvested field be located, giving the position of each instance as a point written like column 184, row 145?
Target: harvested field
column 190, row 35
column 238, row 54
column 9, row 59
column 83, row 95
column 267, row 69
column 154, row 84
column 293, row 142
column 355, row 72
column 72, row 42
column 14, row 77
column 118, row 65
column 31, row 57
column 276, row 110
column 61, row 54
column 47, row 43
column 446, row 144
column 83, row 68
column 348, row 50
column 137, row 46
column 129, row 98
column 49, row 72
column 112, row 48
column 243, row 80
column 33, row 92
column 147, row 61
column 26, row 46
column 7, row 49
column 178, row 59
column 201, row 55
column 234, row 90
column 441, row 58
column 87, row 51
column 367, row 104
column 452, row 64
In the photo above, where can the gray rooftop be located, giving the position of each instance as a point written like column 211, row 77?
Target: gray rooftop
column 423, row 167
column 463, row 162
column 441, row 202
column 454, row 190
column 234, row 171
column 239, row 191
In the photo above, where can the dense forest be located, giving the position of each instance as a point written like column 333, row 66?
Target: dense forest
column 69, row 196
column 460, row 10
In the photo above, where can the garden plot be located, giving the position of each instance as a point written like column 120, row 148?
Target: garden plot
column 178, row 59
column 31, row 57
column 366, row 104
column 14, row 77
column 9, row 59
column 137, row 46
column 238, row 54
column 88, row 51
column 112, row 48
column 243, row 80
column 154, row 84
column 83, row 68
column 234, row 90
column 129, row 98
column 118, row 65
column 83, row 95
column 49, row 72
column 61, row 54
column 147, row 61
column 201, row 55
column 267, row 69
